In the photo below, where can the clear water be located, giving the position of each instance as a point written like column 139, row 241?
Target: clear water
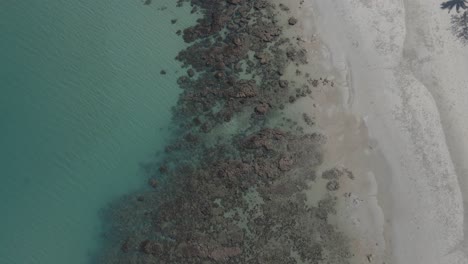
column 82, row 103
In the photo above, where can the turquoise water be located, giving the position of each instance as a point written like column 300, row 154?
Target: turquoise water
column 82, row 103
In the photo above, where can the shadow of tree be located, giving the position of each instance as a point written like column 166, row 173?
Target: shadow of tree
column 457, row 4
column 460, row 26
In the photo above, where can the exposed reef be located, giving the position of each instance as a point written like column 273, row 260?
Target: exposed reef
column 232, row 186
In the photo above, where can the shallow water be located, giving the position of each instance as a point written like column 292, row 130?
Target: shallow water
column 82, row 104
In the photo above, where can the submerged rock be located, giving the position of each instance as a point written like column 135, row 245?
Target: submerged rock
column 230, row 186
column 285, row 163
column 190, row 72
column 262, row 109
column 153, row 183
column 151, row 247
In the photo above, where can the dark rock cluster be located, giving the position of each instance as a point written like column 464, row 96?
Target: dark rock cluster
column 239, row 196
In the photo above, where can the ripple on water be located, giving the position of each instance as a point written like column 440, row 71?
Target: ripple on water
column 82, row 104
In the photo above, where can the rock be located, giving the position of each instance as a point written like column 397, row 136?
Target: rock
column 283, row 7
column 307, row 119
column 243, row 90
column 189, row 250
column 315, row 83
column 163, row 169
column 125, row 245
column 237, row 41
column 196, row 121
column 173, row 21
column 260, row 4
column 219, row 75
column 332, row 174
column 153, row 183
column 190, row 72
column 162, row 72
column 283, row 83
column 262, row 109
column 206, row 127
column 292, row 21
column 285, row 163
column 262, row 57
column 333, row 186
column 151, row 247
column 190, row 137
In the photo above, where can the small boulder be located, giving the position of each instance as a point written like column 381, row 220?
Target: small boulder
column 333, row 185
column 190, row 72
column 237, row 41
column 261, row 109
column 283, row 83
column 292, row 21
column 285, row 163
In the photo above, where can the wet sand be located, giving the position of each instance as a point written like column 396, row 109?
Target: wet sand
column 348, row 147
column 395, row 118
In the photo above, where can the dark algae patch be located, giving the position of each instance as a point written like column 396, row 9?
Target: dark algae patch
column 231, row 186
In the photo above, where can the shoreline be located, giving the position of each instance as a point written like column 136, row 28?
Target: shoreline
column 359, row 213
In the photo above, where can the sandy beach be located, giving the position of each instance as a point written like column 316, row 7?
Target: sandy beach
column 397, row 117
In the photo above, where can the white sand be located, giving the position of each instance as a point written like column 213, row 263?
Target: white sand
column 400, row 70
